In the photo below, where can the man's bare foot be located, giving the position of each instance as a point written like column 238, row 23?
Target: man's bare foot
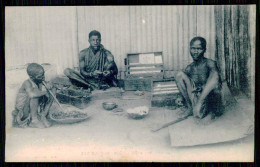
column 36, row 124
column 184, row 112
column 206, row 120
column 103, row 87
column 74, row 87
column 45, row 122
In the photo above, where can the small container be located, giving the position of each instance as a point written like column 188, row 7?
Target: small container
column 109, row 105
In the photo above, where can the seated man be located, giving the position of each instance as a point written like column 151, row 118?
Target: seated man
column 32, row 100
column 97, row 67
column 200, row 83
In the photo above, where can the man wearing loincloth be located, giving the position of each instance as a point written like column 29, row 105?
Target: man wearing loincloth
column 97, row 67
column 33, row 101
column 200, row 83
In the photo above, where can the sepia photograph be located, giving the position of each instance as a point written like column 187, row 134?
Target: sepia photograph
column 130, row 83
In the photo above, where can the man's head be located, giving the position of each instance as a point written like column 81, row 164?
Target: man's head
column 197, row 48
column 36, row 72
column 94, row 39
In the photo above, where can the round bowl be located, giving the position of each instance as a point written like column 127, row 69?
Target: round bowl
column 109, row 105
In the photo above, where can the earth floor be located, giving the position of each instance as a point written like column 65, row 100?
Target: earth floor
column 110, row 136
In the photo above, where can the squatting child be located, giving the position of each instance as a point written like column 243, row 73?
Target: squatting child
column 33, row 101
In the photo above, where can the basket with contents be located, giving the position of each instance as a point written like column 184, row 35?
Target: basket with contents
column 70, row 115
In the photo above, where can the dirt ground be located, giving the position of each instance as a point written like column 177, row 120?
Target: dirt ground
column 109, row 136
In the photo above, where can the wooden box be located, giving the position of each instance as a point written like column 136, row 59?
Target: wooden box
column 164, row 93
column 142, row 69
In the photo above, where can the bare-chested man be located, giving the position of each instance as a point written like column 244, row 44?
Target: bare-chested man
column 200, row 83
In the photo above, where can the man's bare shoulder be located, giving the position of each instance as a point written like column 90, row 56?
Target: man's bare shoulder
column 211, row 63
column 82, row 53
column 190, row 65
column 26, row 84
column 109, row 55
column 84, row 50
column 107, row 51
column 188, row 68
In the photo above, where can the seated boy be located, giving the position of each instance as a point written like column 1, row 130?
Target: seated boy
column 33, row 101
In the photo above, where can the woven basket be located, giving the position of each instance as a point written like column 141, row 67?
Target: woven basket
column 69, row 120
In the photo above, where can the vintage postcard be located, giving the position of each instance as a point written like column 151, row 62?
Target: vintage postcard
column 130, row 83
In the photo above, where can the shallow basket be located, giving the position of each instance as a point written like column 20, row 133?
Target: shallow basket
column 55, row 108
column 68, row 120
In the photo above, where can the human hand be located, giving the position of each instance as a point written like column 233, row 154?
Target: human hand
column 45, row 92
column 106, row 73
column 48, row 85
column 97, row 73
column 49, row 97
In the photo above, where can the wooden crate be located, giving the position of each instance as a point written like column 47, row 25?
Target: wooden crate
column 142, row 84
column 142, row 69
column 164, row 93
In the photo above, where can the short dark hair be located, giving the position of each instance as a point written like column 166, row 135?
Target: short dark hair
column 94, row 33
column 33, row 69
column 201, row 39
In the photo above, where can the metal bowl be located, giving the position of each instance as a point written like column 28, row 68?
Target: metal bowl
column 109, row 105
